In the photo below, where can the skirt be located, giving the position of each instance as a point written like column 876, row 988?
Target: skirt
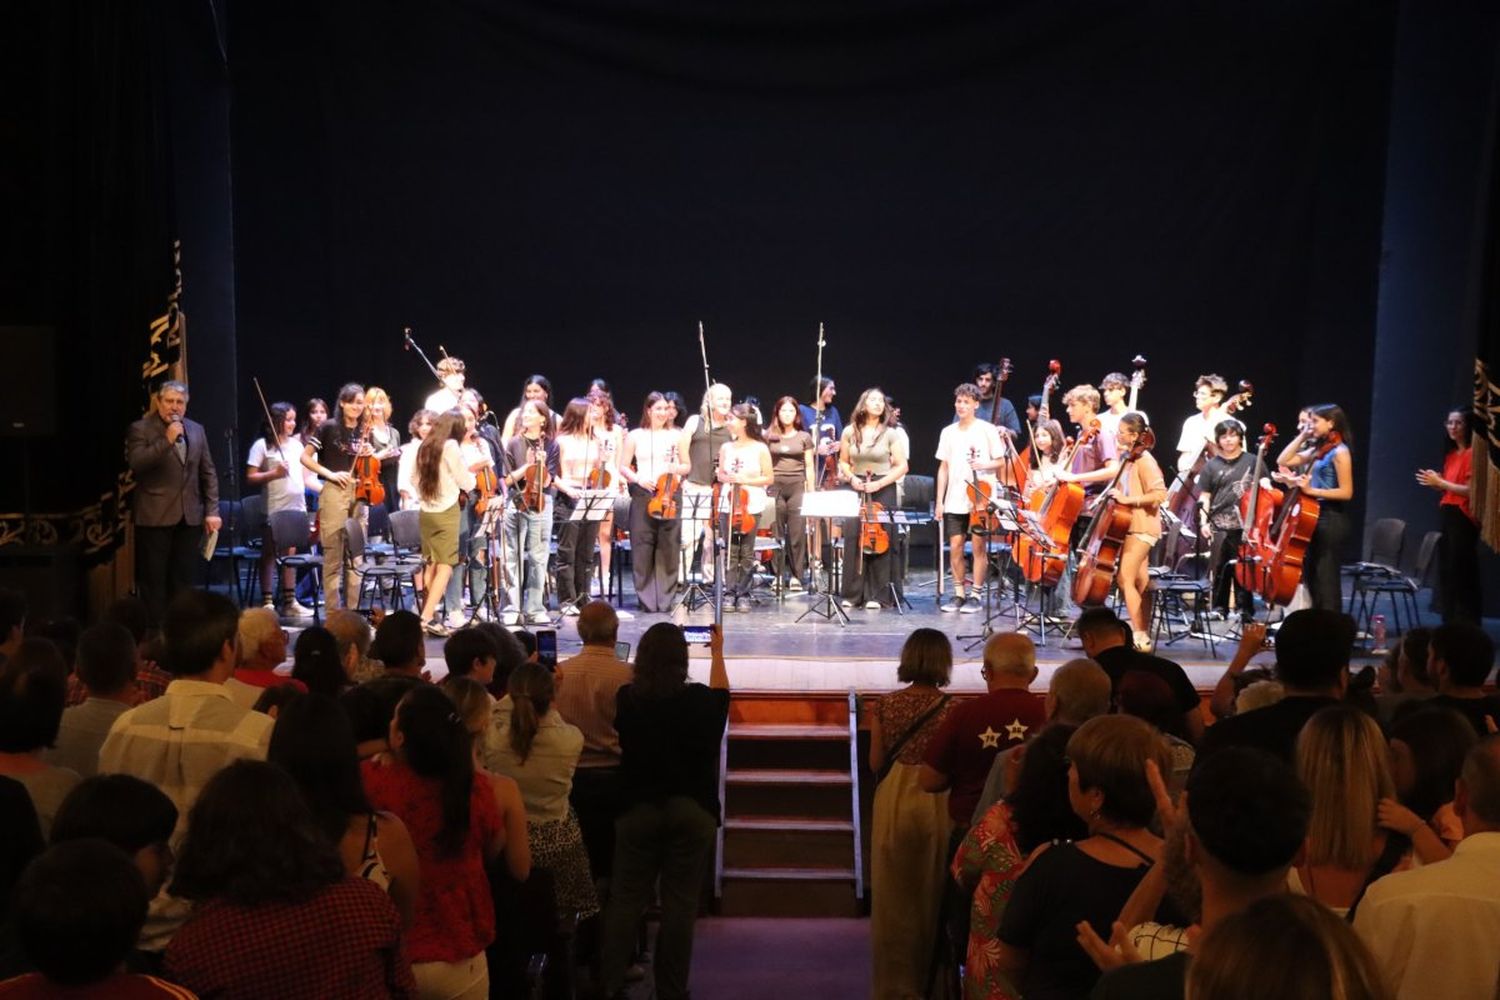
column 439, row 533
column 908, row 874
column 557, row 845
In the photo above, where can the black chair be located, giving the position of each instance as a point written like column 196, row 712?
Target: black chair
column 1181, row 597
column 248, row 546
column 291, row 531
column 400, row 561
column 1398, row 587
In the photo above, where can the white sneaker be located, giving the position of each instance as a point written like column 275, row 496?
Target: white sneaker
column 624, row 616
column 539, row 618
column 293, row 609
column 455, row 621
column 953, row 603
column 510, row 618
column 570, row 611
column 1143, row 642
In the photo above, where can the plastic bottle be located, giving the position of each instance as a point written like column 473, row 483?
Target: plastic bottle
column 1377, row 627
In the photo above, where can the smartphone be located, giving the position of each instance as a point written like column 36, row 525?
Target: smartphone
column 698, row 635
column 622, row 650
column 546, row 647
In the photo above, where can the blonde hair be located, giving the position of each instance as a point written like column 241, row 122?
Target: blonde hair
column 531, row 693
column 1343, row 761
column 1286, row 946
column 1083, row 394
column 470, row 699
column 374, row 394
column 1110, row 753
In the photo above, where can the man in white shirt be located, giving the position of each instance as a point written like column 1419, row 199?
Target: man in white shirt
column 451, row 372
column 967, row 450
column 1434, row 929
column 1198, row 430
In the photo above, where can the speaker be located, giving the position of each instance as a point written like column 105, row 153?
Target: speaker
column 28, row 382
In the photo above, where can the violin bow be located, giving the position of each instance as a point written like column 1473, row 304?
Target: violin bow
column 703, row 349
column 270, row 421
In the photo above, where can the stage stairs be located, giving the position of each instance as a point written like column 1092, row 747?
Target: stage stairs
column 793, row 841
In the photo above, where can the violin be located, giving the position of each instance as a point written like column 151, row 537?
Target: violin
column 741, row 521
column 534, row 481
column 598, row 477
column 1100, row 559
column 982, row 517
column 874, row 539
column 487, row 485
column 663, row 503
column 368, row 488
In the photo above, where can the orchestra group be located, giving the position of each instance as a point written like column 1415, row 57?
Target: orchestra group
column 1071, row 511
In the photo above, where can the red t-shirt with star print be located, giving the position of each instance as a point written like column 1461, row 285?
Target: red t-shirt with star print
column 973, row 735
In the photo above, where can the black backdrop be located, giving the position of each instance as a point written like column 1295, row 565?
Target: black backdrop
column 568, row 188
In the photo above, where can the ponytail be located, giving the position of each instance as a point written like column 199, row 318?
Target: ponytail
column 531, row 693
column 437, row 746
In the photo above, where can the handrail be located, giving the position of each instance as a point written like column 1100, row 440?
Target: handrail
column 719, row 834
column 859, row 861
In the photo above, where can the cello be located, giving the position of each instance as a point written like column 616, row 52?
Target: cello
column 1055, row 511
column 1258, row 507
column 1100, row 558
column 1290, row 535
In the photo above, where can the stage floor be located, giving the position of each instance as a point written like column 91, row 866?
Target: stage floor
column 768, row 649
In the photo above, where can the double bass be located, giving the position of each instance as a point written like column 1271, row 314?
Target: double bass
column 1290, row 535
column 1055, row 511
column 1100, row 558
column 1182, row 494
column 1258, row 507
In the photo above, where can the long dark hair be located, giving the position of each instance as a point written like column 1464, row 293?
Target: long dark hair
column 776, row 426
column 308, row 428
column 531, row 692
column 540, row 380
column 315, row 662
column 1448, row 443
column 679, row 404
column 436, row 745
column 746, row 414
column 251, row 839
column 862, row 409
column 661, row 662
column 546, row 414
column 1055, row 431
column 1439, row 739
column 1334, row 414
column 449, row 427
column 346, row 395
column 1039, row 802
column 575, row 419
column 279, row 410
column 313, row 741
column 652, row 398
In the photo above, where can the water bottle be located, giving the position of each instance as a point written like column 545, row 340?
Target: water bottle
column 1377, row 626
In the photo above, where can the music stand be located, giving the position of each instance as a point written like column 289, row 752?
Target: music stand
column 827, row 505
column 1038, row 620
column 693, row 507
column 490, row 528
column 1007, row 517
column 593, row 506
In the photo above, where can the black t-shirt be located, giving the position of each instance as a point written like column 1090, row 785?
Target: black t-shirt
column 1473, row 709
column 1273, row 729
column 518, row 452
column 334, row 444
column 1224, row 483
column 1120, row 660
column 670, row 746
column 1060, row 888
column 1163, row 979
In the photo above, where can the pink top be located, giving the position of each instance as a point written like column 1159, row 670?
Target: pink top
column 455, row 916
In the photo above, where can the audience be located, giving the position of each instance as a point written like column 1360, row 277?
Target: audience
column 1460, row 658
column 1289, row 948
column 1312, row 663
column 63, row 633
column 1090, row 879
column 1107, row 641
column 1403, row 676
column 133, row 815
column 315, row 662
column 473, row 703
column 670, row 731
column 1149, row 698
column 351, row 633
column 262, row 648
column 275, row 914
column 527, row 740
column 78, row 910
column 457, row 824
column 1343, row 761
column 910, row 827
column 1433, row 930
column 106, row 669
column 33, row 684
column 399, row 646
column 470, row 652
column 1427, row 747
column 131, row 612
column 1244, row 823
column 314, row 743
column 994, row 853
column 1078, row 691
column 12, row 622
column 587, row 686
column 509, row 654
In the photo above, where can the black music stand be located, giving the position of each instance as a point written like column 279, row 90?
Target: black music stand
column 694, row 507
column 1005, row 514
column 826, row 505
column 592, row 508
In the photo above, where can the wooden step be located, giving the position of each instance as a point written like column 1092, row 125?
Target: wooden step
column 788, row 842
column 754, row 731
column 770, row 874
column 789, row 824
column 762, row 892
column 767, row 776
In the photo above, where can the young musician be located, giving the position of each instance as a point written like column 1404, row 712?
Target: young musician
column 679, row 408
column 792, row 451
column 1003, row 414
column 1091, row 463
column 471, row 399
column 1047, row 445
column 872, row 458
column 277, row 469
column 1458, row 561
column 1224, row 480
column 451, row 373
column 576, row 453
column 968, row 451
column 385, row 440
column 744, row 469
column 441, row 475
column 609, row 440
column 706, row 432
column 1142, row 489
column 330, row 452
column 1327, row 474
column 1198, row 430
column 654, row 449
column 822, row 421
column 1113, row 388
column 473, row 546
column 406, row 466
column 528, row 534
column 538, row 388
column 314, row 415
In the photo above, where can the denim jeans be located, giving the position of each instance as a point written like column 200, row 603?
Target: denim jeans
column 527, row 539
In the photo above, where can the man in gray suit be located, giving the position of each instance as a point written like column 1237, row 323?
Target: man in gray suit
column 176, row 496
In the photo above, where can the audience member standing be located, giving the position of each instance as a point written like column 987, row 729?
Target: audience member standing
column 1460, row 658
column 176, row 497
column 587, row 686
column 33, row 684
column 909, row 837
column 275, row 914
column 1105, row 641
column 1433, row 930
column 670, row 732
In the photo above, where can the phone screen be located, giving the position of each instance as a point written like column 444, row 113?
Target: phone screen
column 698, row 635
column 622, row 650
column 546, row 647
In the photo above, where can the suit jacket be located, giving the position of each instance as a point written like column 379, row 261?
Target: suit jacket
column 168, row 491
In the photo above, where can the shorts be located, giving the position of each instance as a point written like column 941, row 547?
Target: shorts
column 955, row 524
column 439, row 533
column 1145, row 536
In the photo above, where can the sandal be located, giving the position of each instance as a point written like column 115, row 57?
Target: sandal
column 436, row 628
